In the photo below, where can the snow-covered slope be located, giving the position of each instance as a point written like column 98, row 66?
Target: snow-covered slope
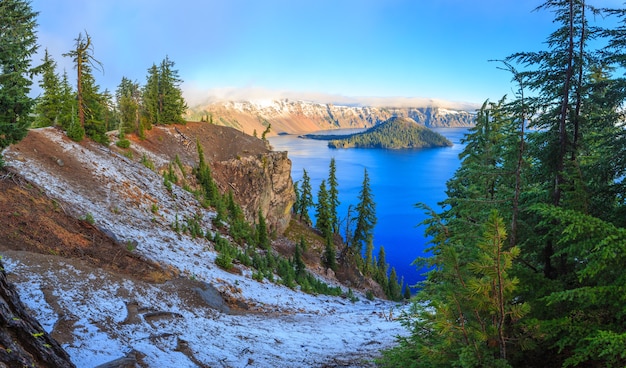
column 180, row 323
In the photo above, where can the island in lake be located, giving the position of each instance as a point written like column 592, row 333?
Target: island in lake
column 394, row 133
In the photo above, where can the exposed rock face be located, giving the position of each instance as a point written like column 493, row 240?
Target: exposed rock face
column 259, row 178
column 262, row 182
column 23, row 341
column 302, row 117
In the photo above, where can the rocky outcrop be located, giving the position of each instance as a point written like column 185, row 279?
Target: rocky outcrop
column 295, row 117
column 260, row 183
column 23, row 341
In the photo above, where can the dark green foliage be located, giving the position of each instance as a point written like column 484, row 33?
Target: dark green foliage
column 365, row 221
column 393, row 134
column 266, row 131
column 299, row 264
column 128, row 97
column 18, row 42
column 203, row 174
column 162, row 97
column 322, row 215
column 122, row 143
column 553, row 295
column 394, row 289
column 330, row 255
column 306, row 199
column 49, row 103
column 263, row 240
column 333, row 195
column 91, row 105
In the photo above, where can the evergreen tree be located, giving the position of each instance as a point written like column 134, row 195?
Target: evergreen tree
column 330, row 255
column 322, row 216
column 172, row 103
column 150, row 97
column 366, row 218
column 333, row 195
column 299, row 264
column 306, row 199
column 67, row 114
column 263, row 240
column 162, row 96
column 128, row 96
column 382, row 269
column 18, row 43
column 48, row 105
column 86, row 89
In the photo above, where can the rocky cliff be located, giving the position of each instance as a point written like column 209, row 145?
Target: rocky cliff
column 286, row 116
column 262, row 182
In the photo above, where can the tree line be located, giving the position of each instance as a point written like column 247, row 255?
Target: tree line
column 83, row 109
column 394, row 133
column 528, row 251
column 358, row 246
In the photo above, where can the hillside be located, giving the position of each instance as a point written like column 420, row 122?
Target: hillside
column 299, row 117
column 90, row 245
column 395, row 133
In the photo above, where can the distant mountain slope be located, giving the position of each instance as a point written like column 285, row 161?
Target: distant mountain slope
column 394, row 133
column 296, row 117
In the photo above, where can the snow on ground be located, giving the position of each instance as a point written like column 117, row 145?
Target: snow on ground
column 110, row 316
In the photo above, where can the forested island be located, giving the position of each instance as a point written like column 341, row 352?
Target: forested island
column 394, row 133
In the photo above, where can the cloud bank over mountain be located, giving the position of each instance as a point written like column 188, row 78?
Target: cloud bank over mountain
column 196, row 96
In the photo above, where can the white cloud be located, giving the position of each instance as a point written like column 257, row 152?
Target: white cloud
column 195, row 95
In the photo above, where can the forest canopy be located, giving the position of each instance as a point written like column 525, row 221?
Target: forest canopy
column 394, row 133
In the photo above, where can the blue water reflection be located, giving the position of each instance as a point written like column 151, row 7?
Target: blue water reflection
column 399, row 179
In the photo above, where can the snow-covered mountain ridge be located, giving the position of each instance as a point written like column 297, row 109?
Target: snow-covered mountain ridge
column 297, row 116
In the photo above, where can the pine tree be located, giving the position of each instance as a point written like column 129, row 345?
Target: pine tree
column 67, row 115
column 394, row 288
column 263, row 240
column 322, row 215
column 162, row 97
column 306, row 199
column 172, row 103
column 299, row 264
column 18, row 43
column 86, row 89
column 333, row 195
column 49, row 103
column 150, row 96
column 128, row 97
column 330, row 255
column 382, row 269
column 365, row 220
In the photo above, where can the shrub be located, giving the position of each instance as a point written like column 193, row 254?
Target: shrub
column 224, row 261
column 123, row 143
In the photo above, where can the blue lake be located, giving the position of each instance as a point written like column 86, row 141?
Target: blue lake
column 398, row 178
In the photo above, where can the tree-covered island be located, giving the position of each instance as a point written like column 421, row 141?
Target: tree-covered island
column 394, row 133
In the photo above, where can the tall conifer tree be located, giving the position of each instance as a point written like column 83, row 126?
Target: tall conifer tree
column 18, row 42
column 49, row 103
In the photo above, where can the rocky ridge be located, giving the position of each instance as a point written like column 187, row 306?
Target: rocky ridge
column 297, row 117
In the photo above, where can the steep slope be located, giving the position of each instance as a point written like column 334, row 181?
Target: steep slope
column 297, row 117
column 182, row 310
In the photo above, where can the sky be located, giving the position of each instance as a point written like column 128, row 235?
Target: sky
column 313, row 49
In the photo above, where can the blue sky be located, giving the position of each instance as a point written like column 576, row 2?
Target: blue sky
column 436, row 49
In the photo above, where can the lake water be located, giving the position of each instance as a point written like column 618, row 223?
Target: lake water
column 398, row 178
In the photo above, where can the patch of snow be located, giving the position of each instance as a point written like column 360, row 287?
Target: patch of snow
column 295, row 330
